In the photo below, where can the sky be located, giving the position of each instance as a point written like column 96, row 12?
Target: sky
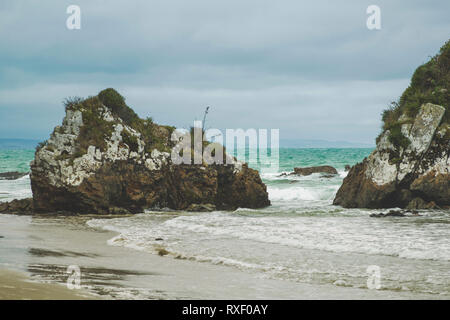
column 311, row 69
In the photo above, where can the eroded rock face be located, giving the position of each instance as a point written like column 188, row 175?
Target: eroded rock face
column 125, row 172
column 393, row 177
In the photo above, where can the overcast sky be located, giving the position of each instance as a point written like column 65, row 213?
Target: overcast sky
column 310, row 68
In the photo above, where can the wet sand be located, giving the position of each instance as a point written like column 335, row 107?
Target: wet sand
column 17, row 286
column 43, row 248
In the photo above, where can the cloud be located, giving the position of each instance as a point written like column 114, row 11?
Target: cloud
column 311, row 69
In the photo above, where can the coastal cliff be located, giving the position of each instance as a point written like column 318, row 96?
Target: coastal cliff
column 410, row 166
column 105, row 159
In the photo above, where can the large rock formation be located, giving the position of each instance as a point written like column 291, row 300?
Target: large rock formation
column 410, row 165
column 105, row 159
column 389, row 177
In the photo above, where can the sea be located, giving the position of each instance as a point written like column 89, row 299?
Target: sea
column 301, row 237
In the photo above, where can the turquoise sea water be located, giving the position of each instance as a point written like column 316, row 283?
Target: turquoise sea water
column 19, row 159
column 15, row 160
column 306, row 157
column 301, row 237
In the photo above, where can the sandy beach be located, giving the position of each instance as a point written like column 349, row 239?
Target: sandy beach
column 39, row 249
column 15, row 285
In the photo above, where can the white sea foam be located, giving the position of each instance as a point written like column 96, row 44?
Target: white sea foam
column 299, row 246
column 301, row 237
column 301, row 193
column 335, row 234
column 15, row 189
column 342, row 174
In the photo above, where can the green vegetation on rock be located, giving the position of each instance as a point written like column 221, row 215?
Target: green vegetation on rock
column 430, row 83
column 40, row 145
column 155, row 136
column 397, row 138
column 96, row 130
column 116, row 103
column 130, row 140
column 71, row 103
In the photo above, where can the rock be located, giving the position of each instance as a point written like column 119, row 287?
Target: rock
column 341, row 283
column 208, row 207
column 327, row 176
column 405, row 196
column 393, row 176
column 118, row 210
column 162, row 252
column 347, row 168
column 432, row 205
column 376, row 215
column 310, row 170
column 395, row 213
column 416, row 203
column 13, row 175
column 104, row 159
column 391, row 213
column 414, row 213
column 23, row 206
column 434, row 185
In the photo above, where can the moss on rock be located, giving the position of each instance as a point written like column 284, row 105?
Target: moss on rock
column 430, row 83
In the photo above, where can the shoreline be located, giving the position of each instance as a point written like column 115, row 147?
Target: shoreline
column 15, row 285
column 50, row 245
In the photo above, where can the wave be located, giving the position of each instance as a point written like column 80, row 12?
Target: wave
column 337, row 234
column 323, row 247
column 301, row 193
column 15, row 189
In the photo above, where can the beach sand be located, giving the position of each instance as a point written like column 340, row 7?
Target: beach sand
column 43, row 247
column 17, row 286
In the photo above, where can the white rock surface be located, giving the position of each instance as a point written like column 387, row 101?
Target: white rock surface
column 420, row 134
column 379, row 169
column 72, row 172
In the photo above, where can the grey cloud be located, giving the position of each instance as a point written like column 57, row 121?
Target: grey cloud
column 311, row 69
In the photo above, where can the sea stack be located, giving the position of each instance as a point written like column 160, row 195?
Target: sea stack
column 410, row 166
column 104, row 159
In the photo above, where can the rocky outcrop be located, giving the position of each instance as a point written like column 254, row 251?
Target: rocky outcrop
column 104, row 159
column 13, row 175
column 23, row 206
column 306, row 171
column 328, row 171
column 399, row 176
